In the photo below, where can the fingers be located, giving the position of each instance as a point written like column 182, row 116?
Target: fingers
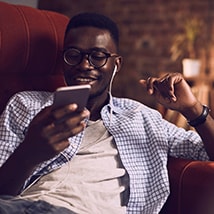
column 148, row 85
column 59, row 113
column 67, row 122
column 49, row 131
column 55, row 126
column 163, row 86
column 59, row 134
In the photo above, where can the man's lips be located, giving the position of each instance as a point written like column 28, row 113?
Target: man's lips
column 85, row 79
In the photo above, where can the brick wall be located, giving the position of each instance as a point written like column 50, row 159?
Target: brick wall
column 146, row 28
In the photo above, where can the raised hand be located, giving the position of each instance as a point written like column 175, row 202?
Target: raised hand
column 172, row 91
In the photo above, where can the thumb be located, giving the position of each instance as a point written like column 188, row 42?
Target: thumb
column 143, row 83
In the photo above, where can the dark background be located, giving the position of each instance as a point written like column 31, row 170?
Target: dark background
column 147, row 28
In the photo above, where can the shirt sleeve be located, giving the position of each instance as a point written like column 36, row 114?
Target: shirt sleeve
column 11, row 130
column 16, row 117
column 184, row 144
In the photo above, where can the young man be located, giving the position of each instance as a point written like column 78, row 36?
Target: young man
column 110, row 157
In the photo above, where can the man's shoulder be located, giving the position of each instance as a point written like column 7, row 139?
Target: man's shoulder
column 28, row 95
column 127, row 103
column 131, row 105
column 32, row 98
column 32, row 95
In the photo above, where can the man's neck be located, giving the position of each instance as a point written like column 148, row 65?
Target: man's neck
column 95, row 106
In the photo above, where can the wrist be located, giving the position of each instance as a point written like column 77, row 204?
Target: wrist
column 25, row 156
column 201, row 118
column 192, row 112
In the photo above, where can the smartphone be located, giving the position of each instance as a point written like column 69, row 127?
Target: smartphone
column 72, row 94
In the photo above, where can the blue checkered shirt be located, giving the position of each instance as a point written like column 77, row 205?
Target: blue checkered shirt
column 144, row 141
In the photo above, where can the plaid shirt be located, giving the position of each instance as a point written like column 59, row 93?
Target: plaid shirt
column 144, row 141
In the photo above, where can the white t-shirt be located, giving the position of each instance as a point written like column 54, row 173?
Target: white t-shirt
column 94, row 181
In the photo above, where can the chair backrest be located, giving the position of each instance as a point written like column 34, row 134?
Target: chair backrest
column 31, row 42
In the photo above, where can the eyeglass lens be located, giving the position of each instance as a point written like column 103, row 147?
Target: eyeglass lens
column 74, row 56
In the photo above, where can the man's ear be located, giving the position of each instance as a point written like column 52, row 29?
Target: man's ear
column 118, row 63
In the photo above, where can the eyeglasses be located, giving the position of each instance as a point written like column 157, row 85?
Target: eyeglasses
column 96, row 58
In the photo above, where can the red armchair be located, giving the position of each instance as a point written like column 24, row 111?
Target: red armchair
column 191, row 186
column 30, row 46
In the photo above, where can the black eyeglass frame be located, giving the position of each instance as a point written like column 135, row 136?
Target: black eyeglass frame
column 88, row 54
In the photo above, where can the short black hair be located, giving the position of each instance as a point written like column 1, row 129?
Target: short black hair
column 94, row 20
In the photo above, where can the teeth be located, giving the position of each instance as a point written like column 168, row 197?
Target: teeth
column 84, row 79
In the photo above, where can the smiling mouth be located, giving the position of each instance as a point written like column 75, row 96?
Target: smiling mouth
column 86, row 80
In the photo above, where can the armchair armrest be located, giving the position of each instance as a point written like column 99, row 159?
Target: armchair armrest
column 192, row 187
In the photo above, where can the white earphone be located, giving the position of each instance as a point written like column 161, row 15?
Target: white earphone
column 115, row 71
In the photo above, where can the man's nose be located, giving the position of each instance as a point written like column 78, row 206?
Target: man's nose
column 85, row 63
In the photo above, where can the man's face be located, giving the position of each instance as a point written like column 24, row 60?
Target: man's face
column 88, row 39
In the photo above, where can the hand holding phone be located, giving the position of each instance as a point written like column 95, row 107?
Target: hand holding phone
column 72, row 94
